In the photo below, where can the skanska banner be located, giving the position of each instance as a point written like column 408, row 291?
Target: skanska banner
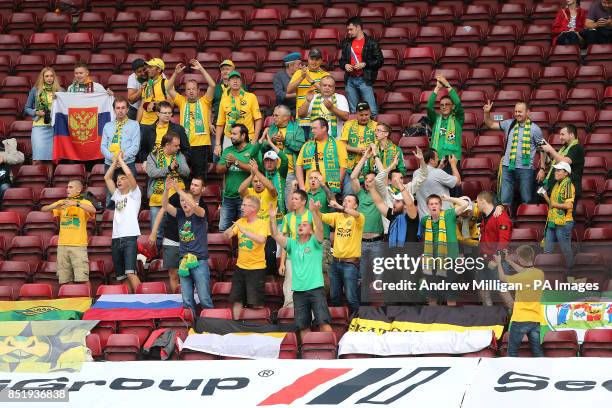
column 389, row 382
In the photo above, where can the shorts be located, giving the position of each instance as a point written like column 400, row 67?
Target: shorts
column 72, row 264
column 124, row 251
column 170, row 256
column 248, row 286
column 307, row 303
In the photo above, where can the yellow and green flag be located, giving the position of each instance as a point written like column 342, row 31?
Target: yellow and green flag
column 56, row 309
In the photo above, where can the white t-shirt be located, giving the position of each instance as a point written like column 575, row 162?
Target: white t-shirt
column 125, row 220
column 132, row 83
column 343, row 105
column 437, row 182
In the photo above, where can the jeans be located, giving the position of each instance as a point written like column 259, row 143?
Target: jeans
column 230, row 212
column 563, row 235
column 357, row 90
column 515, row 337
column 597, row 35
column 344, row 275
column 131, row 166
column 3, row 188
column 525, row 178
column 200, row 278
column 160, row 232
column 124, row 251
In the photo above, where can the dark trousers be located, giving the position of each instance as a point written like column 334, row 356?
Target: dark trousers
column 270, row 251
column 597, row 36
column 455, row 191
column 199, row 161
column 132, row 112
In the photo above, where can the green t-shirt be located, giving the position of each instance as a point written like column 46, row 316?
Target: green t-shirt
column 320, row 196
column 373, row 219
column 451, row 232
column 235, row 175
column 306, row 264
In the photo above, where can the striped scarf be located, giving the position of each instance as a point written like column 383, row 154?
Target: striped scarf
column 331, row 163
column 115, row 145
column 199, row 126
column 561, row 191
column 87, row 87
column 234, row 115
column 526, row 145
column 279, row 184
column 320, row 110
column 563, row 152
column 149, row 90
column 450, row 138
column 428, row 248
column 160, row 183
column 188, row 262
column 365, row 139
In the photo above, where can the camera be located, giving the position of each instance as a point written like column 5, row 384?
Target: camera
column 502, row 253
column 540, row 144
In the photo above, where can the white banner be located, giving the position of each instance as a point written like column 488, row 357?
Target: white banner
column 541, row 382
column 241, row 345
column 414, row 343
column 393, row 382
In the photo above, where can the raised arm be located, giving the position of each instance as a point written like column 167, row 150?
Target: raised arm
column 127, row 171
column 357, row 170
column 108, row 176
column 460, row 204
column 278, row 237
column 199, row 211
column 244, row 186
column 379, row 202
column 170, row 87
column 488, row 120
column 156, row 224
column 210, row 90
column 260, row 239
column 316, row 219
column 169, row 208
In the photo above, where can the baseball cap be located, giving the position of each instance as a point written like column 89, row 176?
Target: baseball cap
column 294, row 56
column 157, row 62
column 234, row 74
column 363, row 106
column 270, row 154
column 227, row 62
column 315, row 53
column 563, row 166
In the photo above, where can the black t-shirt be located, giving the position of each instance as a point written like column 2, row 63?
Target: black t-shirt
column 171, row 227
column 193, row 236
column 412, row 225
column 576, row 155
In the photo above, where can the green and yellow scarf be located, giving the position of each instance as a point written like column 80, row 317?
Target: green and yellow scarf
column 234, row 115
column 320, row 110
column 199, row 125
column 526, row 145
column 188, row 262
column 450, row 137
column 562, row 191
column 149, row 90
column 428, row 248
column 366, row 138
column 563, row 152
column 87, row 87
column 160, row 184
column 330, row 162
column 115, row 145
column 279, row 184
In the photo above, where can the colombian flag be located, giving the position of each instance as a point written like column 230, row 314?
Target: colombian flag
column 78, row 120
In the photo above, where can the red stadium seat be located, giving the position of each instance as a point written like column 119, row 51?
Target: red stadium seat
column 492, row 57
column 44, row 43
column 597, row 240
column 94, row 345
column 141, row 328
column 452, row 75
column 221, row 39
column 19, row 200
column 81, row 43
column 231, row 18
column 113, row 43
column 289, row 347
column 466, row 34
column 122, row 347
column 286, row 315
column 112, row 290
column 26, row 249
column 217, row 313
column 324, row 36
column 397, row 102
column 441, row 13
column 152, row 288
column 565, row 55
column 220, row 294
column 196, row 21
column 430, row 35
column 319, row 346
column 150, row 41
column 35, row 291
column 525, row 235
column 6, row 293
column 261, row 315
column 163, row 21
column 14, row 274
column 74, row 290
column 595, row 165
column 10, row 224
column 560, row 344
column 538, row 34
column 602, row 216
column 598, row 52
column 12, row 44
column 406, row 14
column 544, row 11
column 481, row 79
column 597, row 343
column 602, row 122
column 127, row 21
column 505, row 98
column 476, row 12
column 66, row 172
column 21, row 23
column 266, row 17
column 9, row 109
column 93, row 22
column 186, row 42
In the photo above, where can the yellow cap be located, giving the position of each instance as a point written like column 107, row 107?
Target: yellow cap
column 227, row 62
column 157, row 62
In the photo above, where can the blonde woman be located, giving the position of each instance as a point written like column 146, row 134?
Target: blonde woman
column 38, row 106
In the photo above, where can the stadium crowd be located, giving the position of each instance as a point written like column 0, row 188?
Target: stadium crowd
column 314, row 193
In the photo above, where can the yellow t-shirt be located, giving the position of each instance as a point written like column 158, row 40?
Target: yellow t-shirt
column 248, row 107
column 265, row 199
column 73, row 225
column 342, row 160
column 251, row 255
column 160, row 132
column 303, row 88
column 149, row 118
column 360, row 143
column 527, row 306
column 199, row 139
column 348, row 234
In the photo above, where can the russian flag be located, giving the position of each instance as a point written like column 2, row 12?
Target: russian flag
column 78, row 120
column 135, row 307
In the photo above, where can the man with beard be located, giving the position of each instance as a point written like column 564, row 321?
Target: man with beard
column 135, row 83
column 234, row 163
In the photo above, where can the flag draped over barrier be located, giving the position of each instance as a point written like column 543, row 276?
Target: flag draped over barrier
column 43, row 346
column 78, row 120
column 135, row 307
column 56, row 309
